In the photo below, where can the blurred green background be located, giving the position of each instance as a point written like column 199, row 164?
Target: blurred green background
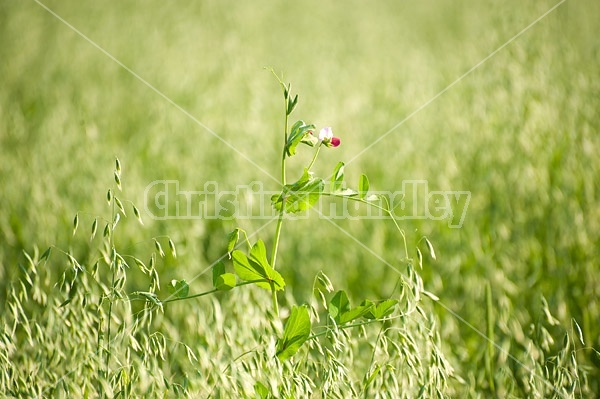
column 521, row 133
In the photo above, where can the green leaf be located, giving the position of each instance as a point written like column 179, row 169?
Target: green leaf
column 258, row 253
column 337, row 178
column 355, row 313
column 338, row 305
column 380, row 310
column 291, row 104
column 340, row 310
column 372, row 375
column 256, row 268
column 217, row 270
column 310, row 140
column 261, row 390
column 286, row 89
column 363, row 186
column 232, row 239
column 295, row 333
column 298, row 133
column 299, row 196
column 225, row 282
column 179, row 288
column 221, row 280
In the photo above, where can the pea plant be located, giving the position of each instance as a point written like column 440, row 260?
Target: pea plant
column 257, row 266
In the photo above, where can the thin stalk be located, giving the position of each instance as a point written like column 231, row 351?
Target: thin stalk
column 191, row 296
column 366, row 386
column 287, row 118
column 357, row 324
column 281, row 214
column 489, row 353
column 381, row 331
column 277, row 235
column 356, row 199
column 387, row 210
column 113, row 267
column 282, row 211
column 274, row 300
column 100, row 333
column 242, row 283
column 312, row 162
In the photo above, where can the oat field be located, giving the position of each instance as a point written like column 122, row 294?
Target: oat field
column 168, row 227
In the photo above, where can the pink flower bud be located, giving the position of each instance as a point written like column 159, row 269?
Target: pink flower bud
column 326, row 136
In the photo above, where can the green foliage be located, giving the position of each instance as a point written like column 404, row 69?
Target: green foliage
column 300, row 133
column 337, row 178
column 222, row 280
column 256, row 268
column 363, row 186
column 296, row 332
column 179, row 288
column 299, row 196
column 341, row 312
column 379, row 310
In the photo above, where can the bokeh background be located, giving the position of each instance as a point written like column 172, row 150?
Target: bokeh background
column 521, row 132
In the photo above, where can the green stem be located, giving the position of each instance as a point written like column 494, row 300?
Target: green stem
column 274, row 300
column 397, row 227
column 356, row 199
column 281, row 213
column 213, row 291
column 489, row 353
column 112, row 286
column 190, row 296
column 277, row 235
column 344, row 326
column 312, row 162
column 387, row 210
column 285, row 139
column 274, row 255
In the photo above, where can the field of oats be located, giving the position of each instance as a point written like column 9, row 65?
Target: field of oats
column 500, row 100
